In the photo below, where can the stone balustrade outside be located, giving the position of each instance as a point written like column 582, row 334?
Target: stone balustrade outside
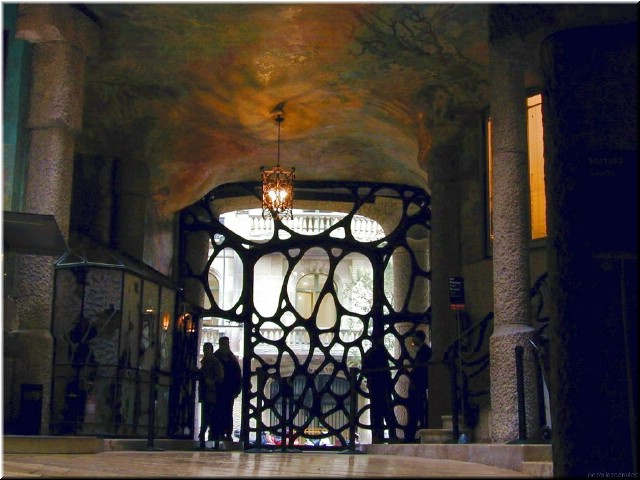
column 298, row 340
column 251, row 225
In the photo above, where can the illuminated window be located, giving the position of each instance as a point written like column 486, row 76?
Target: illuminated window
column 214, row 285
column 535, row 148
column 307, row 294
column 489, row 133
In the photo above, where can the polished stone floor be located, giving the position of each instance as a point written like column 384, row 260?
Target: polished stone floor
column 239, row 465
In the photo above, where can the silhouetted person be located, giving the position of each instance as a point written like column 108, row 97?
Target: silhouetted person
column 418, row 384
column 228, row 390
column 375, row 367
column 210, row 374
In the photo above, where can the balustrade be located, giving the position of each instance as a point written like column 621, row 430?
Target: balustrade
column 298, row 340
column 307, row 223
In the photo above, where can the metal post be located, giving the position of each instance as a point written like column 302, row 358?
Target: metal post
column 151, row 411
column 460, row 363
column 542, row 417
column 522, row 420
column 259, row 430
column 153, row 380
column 285, row 411
column 454, row 400
column 352, row 409
column 627, row 357
column 290, row 438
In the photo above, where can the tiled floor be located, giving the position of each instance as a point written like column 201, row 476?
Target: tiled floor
column 239, row 465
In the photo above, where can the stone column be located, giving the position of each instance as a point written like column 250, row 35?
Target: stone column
column 62, row 38
column 440, row 149
column 591, row 165
column 512, row 306
column 131, row 194
column 445, row 262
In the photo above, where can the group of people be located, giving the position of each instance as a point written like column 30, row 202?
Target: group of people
column 220, row 383
column 375, row 368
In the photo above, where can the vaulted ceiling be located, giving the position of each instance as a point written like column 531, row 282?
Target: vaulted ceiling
column 191, row 89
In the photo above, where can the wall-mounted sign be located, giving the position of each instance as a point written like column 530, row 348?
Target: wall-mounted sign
column 456, row 293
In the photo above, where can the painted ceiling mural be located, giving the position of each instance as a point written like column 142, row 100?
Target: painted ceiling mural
column 191, row 89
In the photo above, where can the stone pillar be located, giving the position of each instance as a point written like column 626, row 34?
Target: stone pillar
column 92, row 211
column 445, row 262
column 591, row 165
column 512, row 306
column 131, row 195
column 62, row 38
column 440, row 149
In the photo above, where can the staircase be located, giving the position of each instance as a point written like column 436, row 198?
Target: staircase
column 444, row 434
column 534, row 460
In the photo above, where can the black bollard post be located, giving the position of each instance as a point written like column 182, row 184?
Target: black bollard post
column 454, row 399
column 522, row 420
column 152, row 412
column 285, row 410
column 542, row 416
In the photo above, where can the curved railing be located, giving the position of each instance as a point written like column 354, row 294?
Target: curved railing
column 468, row 357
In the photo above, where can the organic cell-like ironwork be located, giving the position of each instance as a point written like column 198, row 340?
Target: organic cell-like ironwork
column 303, row 338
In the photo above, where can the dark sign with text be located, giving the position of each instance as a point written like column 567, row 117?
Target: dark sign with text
column 456, row 293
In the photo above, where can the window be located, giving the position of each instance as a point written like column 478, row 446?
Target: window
column 307, row 294
column 535, row 146
column 535, row 149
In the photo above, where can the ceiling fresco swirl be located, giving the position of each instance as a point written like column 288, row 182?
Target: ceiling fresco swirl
column 190, row 89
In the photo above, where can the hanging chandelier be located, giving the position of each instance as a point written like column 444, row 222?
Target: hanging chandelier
column 277, row 186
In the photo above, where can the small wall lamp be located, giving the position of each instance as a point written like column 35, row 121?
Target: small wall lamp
column 166, row 320
column 186, row 321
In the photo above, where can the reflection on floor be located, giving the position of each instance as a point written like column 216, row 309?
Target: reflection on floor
column 94, row 458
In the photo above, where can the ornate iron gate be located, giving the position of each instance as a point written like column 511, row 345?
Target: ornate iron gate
column 397, row 306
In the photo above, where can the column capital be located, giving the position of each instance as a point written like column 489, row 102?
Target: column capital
column 439, row 125
column 43, row 23
column 511, row 32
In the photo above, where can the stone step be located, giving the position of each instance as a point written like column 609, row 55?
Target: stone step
column 230, row 446
column 139, row 444
column 447, row 422
column 508, row 456
column 440, row 435
column 51, row 444
column 538, row 469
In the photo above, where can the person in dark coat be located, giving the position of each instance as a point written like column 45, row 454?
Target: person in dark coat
column 418, row 385
column 210, row 375
column 228, row 390
column 375, row 368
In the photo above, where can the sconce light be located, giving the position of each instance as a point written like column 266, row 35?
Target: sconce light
column 277, row 186
column 149, row 311
column 191, row 327
column 186, row 321
column 166, row 320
